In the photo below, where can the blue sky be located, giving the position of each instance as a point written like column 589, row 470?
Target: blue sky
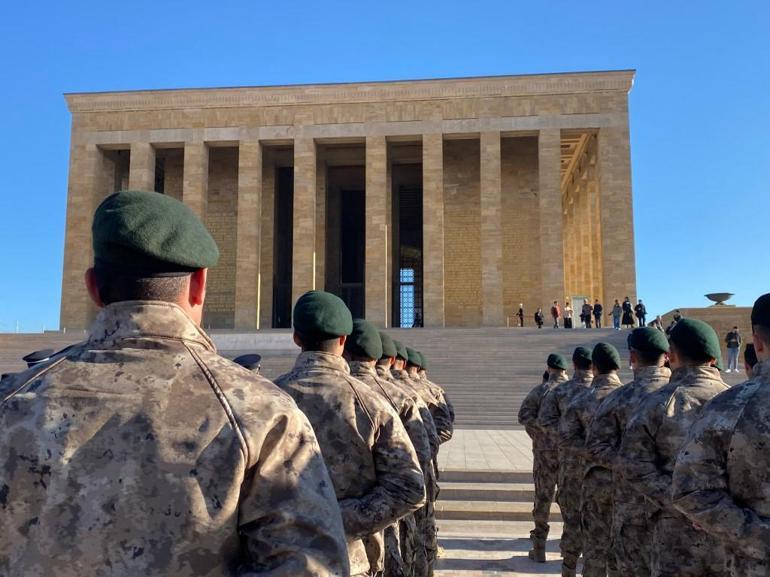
column 700, row 106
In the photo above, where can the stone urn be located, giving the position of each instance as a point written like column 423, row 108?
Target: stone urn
column 719, row 298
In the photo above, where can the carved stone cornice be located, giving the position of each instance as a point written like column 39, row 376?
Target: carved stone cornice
column 319, row 94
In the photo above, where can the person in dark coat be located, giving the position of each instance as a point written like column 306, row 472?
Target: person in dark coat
column 641, row 313
column 628, row 314
column 598, row 310
column 539, row 318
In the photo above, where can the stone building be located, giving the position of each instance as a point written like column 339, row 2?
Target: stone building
column 436, row 202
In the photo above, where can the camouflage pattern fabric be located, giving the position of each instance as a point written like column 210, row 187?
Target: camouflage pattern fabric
column 571, row 466
column 648, row 452
column 596, row 490
column 142, row 452
column 545, row 461
column 373, row 466
column 631, row 530
column 438, row 409
column 721, row 476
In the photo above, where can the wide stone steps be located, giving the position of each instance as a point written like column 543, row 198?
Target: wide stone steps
column 487, row 491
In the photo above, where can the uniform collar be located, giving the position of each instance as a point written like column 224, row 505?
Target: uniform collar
column 319, row 360
column 360, row 368
column 383, row 371
column 605, row 380
column 583, row 376
column 647, row 373
column 691, row 374
column 559, row 377
column 145, row 319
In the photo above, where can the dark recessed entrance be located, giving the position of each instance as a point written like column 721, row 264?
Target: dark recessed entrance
column 407, row 245
column 346, row 235
column 282, row 267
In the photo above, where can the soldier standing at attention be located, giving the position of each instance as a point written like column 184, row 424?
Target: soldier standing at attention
column 141, row 451
column 373, row 466
column 652, row 442
column 721, row 475
column 422, row 375
column 545, row 462
column 362, row 349
column 596, row 491
column 552, row 410
column 632, row 533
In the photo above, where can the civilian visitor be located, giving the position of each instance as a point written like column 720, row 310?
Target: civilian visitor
column 641, row 312
column 733, row 341
column 520, row 314
column 617, row 311
column 628, row 314
column 539, row 318
column 555, row 314
column 598, row 310
column 567, row 315
column 586, row 314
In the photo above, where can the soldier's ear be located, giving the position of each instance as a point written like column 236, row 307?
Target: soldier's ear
column 93, row 287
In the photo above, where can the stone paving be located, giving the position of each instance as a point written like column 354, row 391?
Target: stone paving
column 492, row 450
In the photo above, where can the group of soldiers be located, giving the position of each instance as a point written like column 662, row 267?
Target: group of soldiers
column 141, row 451
column 664, row 476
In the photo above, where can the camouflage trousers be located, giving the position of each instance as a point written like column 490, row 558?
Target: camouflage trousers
column 680, row 550
column 409, row 540
column 568, row 498
column 631, row 532
column 428, row 545
column 395, row 564
column 596, row 519
column 747, row 567
column 545, row 470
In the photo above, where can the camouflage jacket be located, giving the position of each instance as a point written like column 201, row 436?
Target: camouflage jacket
column 142, row 452
column 530, row 409
column 657, row 432
column 423, row 376
column 404, row 405
column 438, row 409
column 580, row 412
column 609, row 423
column 555, row 402
column 427, row 419
column 721, row 477
column 373, row 466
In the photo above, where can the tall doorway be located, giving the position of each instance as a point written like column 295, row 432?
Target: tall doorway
column 407, row 245
column 346, row 235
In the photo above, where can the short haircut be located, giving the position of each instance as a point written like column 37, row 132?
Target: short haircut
column 697, row 359
column 582, row 364
column 318, row 343
column 115, row 285
column 648, row 358
column 762, row 332
column 605, row 367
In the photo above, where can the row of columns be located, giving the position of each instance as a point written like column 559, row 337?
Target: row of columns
column 614, row 181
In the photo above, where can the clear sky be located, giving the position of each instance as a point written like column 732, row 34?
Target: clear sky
column 700, row 106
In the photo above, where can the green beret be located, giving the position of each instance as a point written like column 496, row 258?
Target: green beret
column 648, row 340
column 605, row 356
column 696, row 340
column 556, row 361
column 318, row 313
column 365, row 340
column 388, row 346
column 401, row 351
column 581, row 354
column 424, row 360
column 412, row 356
column 149, row 232
column 760, row 314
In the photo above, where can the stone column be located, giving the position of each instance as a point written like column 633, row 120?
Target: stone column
column 196, row 177
column 247, row 281
column 551, row 244
column 376, row 209
column 141, row 171
column 83, row 195
column 267, row 240
column 491, row 231
column 433, row 229
column 303, row 259
column 616, row 209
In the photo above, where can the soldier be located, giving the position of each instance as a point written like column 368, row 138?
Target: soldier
column 141, row 451
column 632, row 534
column 652, row 442
column 552, row 410
column 545, row 462
column 251, row 362
column 362, row 349
column 422, row 374
column 596, row 490
column 372, row 462
column 721, row 476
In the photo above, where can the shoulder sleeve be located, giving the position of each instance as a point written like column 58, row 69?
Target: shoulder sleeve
column 604, row 434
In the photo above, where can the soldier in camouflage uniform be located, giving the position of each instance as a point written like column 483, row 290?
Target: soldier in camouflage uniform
column 373, row 465
column 631, row 530
column 596, row 491
column 545, row 462
column 425, row 517
column 721, row 475
column 141, row 451
column 422, row 374
column 552, row 410
column 362, row 349
column 443, row 415
column 652, row 442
